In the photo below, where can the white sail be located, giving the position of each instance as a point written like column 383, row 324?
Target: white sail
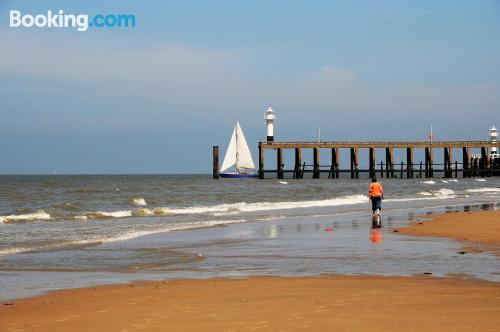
column 244, row 157
column 230, row 158
column 237, row 154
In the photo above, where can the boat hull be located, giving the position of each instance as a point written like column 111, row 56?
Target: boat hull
column 239, row 175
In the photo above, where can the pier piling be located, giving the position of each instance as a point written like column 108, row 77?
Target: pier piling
column 484, row 161
column 372, row 162
column 316, row 157
column 335, row 162
column 409, row 163
column 354, row 163
column 215, row 163
column 389, row 162
column 447, row 162
column 298, row 164
column 465, row 163
column 429, row 163
column 261, row 161
column 279, row 163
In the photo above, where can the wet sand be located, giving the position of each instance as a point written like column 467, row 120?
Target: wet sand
column 480, row 230
column 265, row 303
column 350, row 303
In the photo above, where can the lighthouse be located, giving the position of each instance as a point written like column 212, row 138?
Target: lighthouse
column 493, row 138
column 270, row 116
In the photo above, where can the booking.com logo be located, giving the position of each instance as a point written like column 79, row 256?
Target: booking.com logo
column 81, row 22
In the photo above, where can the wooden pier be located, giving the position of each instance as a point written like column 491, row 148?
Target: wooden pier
column 468, row 166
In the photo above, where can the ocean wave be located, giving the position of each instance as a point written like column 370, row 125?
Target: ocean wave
column 228, row 209
column 126, row 235
column 480, row 180
column 444, row 193
column 79, row 218
column 428, row 182
column 143, row 213
column 105, row 215
column 39, row 215
column 271, row 206
column 483, row 190
column 220, row 210
column 137, row 201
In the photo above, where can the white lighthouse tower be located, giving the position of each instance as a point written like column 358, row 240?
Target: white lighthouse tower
column 270, row 116
column 493, row 138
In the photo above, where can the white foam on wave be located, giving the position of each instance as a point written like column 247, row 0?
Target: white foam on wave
column 229, row 209
column 12, row 251
column 115, row 214
column 480, row 180
column 267, row 206
column 236, row 208
column 453, row 180
column 138, row 201
column 127, row 235
column 444, row 193
column 483, row 190
column 35, row 216
column 428, row 182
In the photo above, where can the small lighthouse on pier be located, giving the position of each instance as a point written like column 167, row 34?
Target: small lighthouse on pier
column 270, row 116
column 493, row 138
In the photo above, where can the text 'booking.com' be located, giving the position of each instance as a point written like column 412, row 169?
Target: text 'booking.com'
column 79, row 22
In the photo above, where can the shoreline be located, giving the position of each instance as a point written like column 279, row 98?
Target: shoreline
column 479, row 231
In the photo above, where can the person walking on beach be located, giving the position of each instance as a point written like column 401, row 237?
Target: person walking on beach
column 376, row 194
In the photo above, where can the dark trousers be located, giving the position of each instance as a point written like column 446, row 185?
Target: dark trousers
column 376, row 203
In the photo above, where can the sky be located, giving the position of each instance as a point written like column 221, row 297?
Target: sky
column 155, row 98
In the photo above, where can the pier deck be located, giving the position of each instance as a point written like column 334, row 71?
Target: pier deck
column 378, row 144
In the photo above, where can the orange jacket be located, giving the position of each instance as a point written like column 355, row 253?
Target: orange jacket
column 376, row 190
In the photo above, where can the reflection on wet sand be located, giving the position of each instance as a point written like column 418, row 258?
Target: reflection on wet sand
column 376, row 236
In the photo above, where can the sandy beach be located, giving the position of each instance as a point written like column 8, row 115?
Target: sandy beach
column 361, row 303
column 265, row 303
column 480, row 231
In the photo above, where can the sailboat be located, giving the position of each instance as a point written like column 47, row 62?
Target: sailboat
column 238, row 156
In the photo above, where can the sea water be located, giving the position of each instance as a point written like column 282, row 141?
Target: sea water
column 70, row 231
